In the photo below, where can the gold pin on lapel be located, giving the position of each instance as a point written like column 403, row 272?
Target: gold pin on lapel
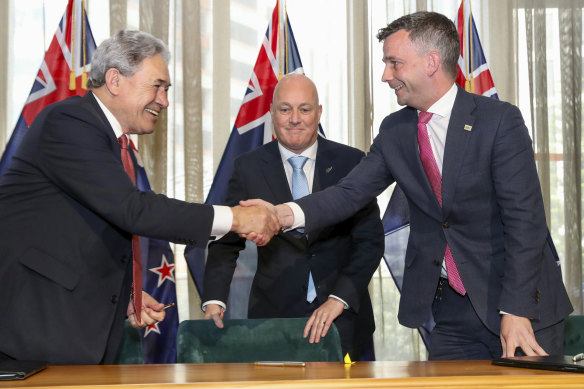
column 329, row 169
column 467, row 127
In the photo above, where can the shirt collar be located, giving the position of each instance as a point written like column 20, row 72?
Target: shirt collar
column 443, row 107
column 310, row 152
column 117, row 127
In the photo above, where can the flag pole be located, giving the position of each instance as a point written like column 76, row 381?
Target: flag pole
column 84, row 74
column 471, row 50
column 279, row 40
column 285, row 38
column 72, row 77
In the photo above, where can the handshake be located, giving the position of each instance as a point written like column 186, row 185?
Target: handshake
column 258, row 221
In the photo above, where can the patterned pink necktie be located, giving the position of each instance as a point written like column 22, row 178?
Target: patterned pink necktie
column 136, row 251
column 431, row 168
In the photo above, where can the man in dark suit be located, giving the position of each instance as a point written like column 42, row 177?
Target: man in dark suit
column 338, row 260
column 68, row 211
column 477, row 256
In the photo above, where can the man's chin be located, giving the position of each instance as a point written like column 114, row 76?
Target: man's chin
column 142, row 131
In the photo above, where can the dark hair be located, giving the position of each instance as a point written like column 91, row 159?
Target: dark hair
column 429, row 31
column 124, row 51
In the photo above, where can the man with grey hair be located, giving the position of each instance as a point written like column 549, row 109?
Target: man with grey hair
column 69, row 213
column 478, row 257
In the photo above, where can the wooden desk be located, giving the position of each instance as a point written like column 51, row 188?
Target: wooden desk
column 443, row 374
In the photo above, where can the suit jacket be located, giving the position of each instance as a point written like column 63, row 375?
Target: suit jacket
column 67, row 214
column 492, row 215
column 341, row 257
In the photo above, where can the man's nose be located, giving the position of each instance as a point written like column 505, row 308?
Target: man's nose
column 162, row 98
column 294, row 116
column 387, row 73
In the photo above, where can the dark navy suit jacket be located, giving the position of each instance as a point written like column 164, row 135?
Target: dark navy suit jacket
column 341, row 257
column 67, row 214
column 492, row 216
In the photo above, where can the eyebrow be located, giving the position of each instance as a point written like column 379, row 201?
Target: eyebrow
column 161, row 81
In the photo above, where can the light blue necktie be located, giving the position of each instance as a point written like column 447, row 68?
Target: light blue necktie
column 300, row 189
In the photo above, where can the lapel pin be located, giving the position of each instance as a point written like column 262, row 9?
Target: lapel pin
column 467, row 127
column 329, row 169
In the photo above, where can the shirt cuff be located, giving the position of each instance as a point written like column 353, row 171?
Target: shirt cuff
column 222, row 221
column 341, row 300
column 299, row 218
column 221, row 304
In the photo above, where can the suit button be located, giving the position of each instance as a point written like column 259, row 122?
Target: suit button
column 446, row 225
column 436, row 262
column 114, row 299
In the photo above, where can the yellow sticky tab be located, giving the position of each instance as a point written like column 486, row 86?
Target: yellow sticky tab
column 467, row 127
column 348, row 360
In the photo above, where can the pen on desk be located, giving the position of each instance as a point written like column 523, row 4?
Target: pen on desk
column 168, row 306
column 578, row 357
column 280, row 363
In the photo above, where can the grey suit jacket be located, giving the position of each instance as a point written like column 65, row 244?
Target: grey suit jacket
column 492, row 216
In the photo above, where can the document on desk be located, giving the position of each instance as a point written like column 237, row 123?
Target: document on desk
column 19, row 370
column 548, row 362
column 281, row 363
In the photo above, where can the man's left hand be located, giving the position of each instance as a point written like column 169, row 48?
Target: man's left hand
column 516, row 331
column 321, row 319
column 152, row 312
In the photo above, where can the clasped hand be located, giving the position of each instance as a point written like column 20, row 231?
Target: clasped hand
column 259, row 220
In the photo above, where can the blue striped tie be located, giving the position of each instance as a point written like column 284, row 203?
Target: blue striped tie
column 300, row 189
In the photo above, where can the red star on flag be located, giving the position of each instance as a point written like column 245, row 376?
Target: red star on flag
column 164, row 271
column 151, row 328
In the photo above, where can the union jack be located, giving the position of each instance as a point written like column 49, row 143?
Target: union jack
column 473, row 71
column 63, row 72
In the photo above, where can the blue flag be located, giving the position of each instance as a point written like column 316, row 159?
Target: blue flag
column 158, row 269
column 253, row 127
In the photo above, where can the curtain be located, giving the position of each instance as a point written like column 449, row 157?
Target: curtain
column 548, row 76
column 5, row 37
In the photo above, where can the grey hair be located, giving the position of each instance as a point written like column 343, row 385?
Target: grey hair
column 124, row 51
column 429, row 31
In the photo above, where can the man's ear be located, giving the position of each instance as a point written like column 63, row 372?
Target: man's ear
column 112, row 81
column 433, row 63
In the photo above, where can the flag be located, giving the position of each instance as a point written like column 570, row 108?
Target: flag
column 253, row 127
column 159, row 339
column 473, row 72
column 63, row 72
column 474, row 76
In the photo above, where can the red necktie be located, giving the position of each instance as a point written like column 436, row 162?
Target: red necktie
column 136, row 253
column 431, row 168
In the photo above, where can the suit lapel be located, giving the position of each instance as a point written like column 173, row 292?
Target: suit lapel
column 409, row 142
column 325, row 173
column 457, row 137
column 275, row 176
column 91, row 103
